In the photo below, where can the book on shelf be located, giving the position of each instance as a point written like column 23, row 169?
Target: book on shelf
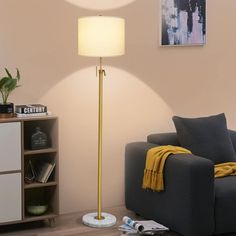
column 44, row 170
column 22, row 115
column 30, row 109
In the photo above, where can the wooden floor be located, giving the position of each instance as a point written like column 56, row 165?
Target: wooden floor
column 69, row 225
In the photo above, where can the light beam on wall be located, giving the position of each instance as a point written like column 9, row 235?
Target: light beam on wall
column 127, row 117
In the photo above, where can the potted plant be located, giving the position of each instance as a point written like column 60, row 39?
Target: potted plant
column 7, row 84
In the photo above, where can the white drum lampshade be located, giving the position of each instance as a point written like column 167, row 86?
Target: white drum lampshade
column 101, row 36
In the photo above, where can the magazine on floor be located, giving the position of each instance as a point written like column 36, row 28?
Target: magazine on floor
column 144, row 227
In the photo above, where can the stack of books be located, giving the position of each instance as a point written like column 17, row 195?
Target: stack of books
column 31, row 110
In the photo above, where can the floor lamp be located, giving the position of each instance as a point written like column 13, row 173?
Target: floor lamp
column 100, row 36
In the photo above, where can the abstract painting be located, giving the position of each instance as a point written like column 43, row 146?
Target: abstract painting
column 183, row 22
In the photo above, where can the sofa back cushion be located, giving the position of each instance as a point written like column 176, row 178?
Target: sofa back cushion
column 171, row 138
column 232, row 134
column 164, row 139
column 206, row 136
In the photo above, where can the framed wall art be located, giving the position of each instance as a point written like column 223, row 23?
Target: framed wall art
column 183, row 22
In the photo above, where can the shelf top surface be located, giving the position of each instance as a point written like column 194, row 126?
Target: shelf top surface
column 44, row 150
column 40, row 185
column 30, row 118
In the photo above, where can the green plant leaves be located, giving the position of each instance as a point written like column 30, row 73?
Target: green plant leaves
column 3, row 81
column 17, row 74
column 8, row 84
column 8, row 73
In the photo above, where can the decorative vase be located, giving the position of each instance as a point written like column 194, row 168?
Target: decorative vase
column 6, row 110
column 39, row 139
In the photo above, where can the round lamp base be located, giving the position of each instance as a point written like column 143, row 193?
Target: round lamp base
column 107, row 221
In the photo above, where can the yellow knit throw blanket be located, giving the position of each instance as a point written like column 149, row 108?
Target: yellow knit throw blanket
column 225, row 169
column 155, row 162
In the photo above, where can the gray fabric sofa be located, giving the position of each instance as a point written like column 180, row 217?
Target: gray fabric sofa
column 194, row 203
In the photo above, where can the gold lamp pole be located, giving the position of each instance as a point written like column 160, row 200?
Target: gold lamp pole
column 100, row 36
column 101, row 72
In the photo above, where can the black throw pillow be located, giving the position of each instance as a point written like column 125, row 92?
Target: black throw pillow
column 206, row 137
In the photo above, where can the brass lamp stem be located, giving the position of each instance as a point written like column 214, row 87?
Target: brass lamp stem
column 99, row 205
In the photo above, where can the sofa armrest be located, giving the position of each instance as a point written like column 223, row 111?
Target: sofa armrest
column 186, row 205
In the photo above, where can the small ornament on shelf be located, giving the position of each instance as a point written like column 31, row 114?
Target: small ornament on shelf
column 39, row 139
column 29, row 173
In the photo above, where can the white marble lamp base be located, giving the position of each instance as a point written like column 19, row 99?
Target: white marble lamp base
column 90, row 220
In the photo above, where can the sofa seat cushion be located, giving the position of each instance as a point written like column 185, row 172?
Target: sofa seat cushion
column 206, row 137
column 225, row 205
